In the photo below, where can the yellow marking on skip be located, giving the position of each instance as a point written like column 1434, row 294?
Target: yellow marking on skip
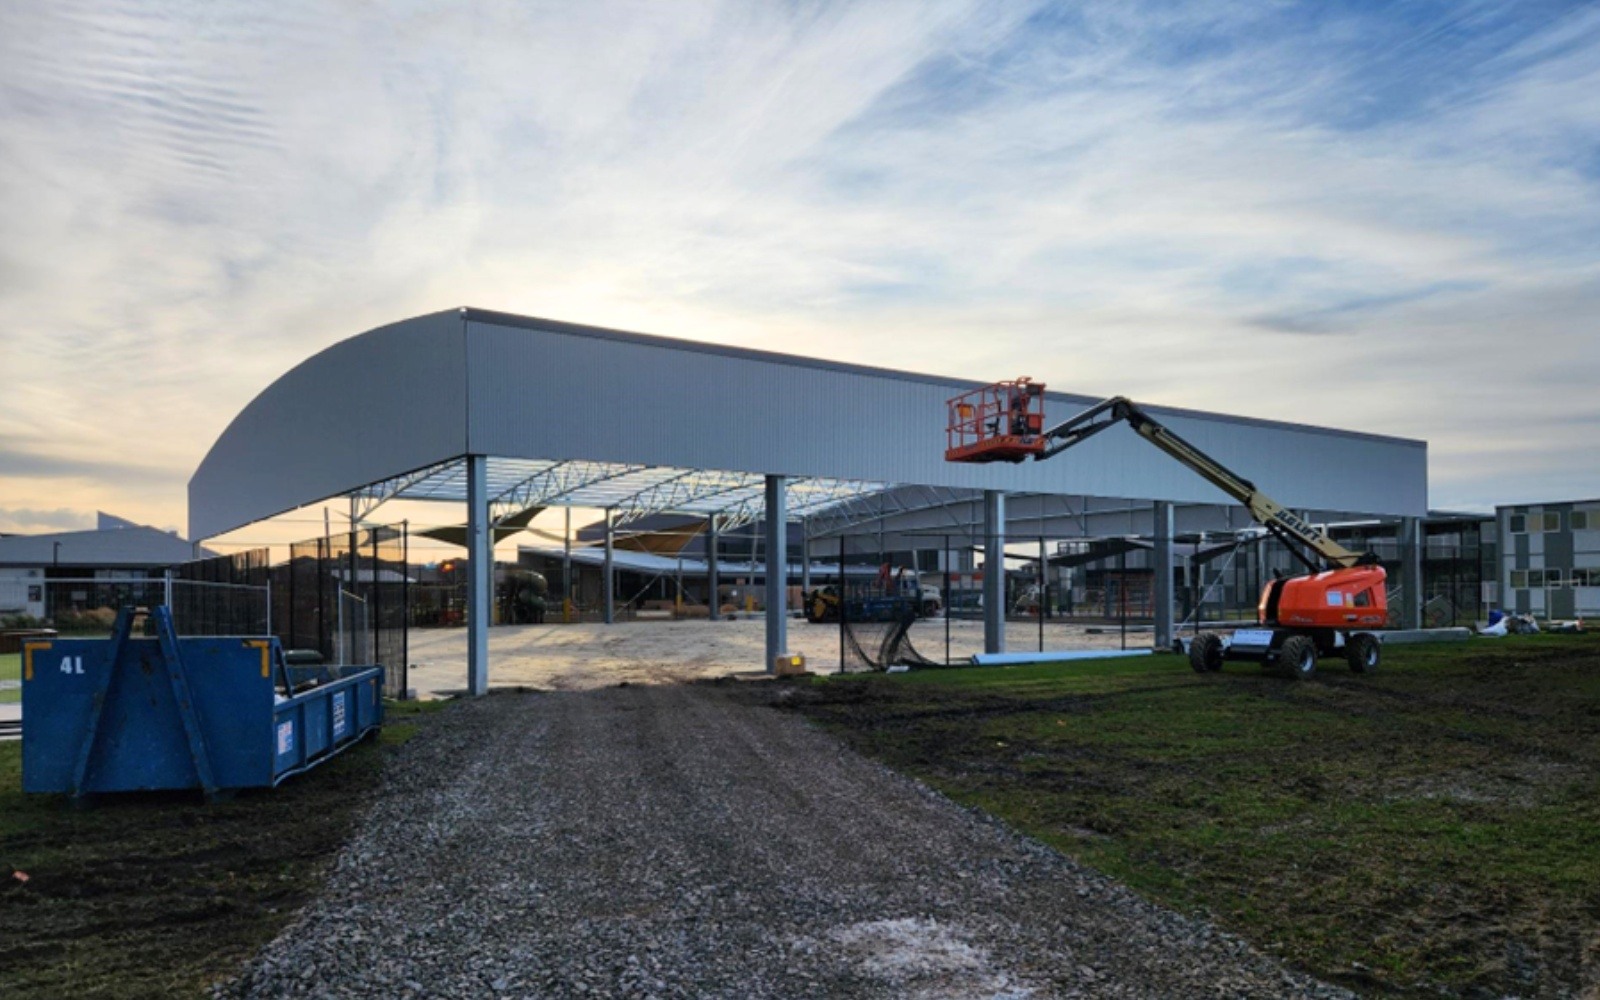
column 266, row 658
column 28, row 649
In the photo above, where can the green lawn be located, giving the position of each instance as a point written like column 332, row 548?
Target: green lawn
column 1429, row 828
column 10, row 670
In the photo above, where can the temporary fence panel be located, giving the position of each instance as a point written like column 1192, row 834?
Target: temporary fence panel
column 370, row 566
column 1070, row 593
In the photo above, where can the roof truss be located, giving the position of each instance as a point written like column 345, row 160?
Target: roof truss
column 631, row 492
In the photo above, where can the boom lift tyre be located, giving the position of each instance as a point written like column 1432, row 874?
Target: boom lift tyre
column 1297, row 659
column 1363, row 651
column 1333, row 608
column 1205, row 653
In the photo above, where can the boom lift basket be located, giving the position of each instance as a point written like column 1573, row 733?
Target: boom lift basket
column 1002, row 422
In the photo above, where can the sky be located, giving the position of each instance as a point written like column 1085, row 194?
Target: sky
column 1380, row 217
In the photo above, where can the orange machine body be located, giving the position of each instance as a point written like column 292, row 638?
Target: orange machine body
column 1348, row 598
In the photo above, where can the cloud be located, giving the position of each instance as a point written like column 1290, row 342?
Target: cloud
column 1347, row 316
column 28, row 464
column 1137, row 198
column 27, row 521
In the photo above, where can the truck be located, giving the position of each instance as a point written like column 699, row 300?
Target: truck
column 892, row 596
column 1337, row 607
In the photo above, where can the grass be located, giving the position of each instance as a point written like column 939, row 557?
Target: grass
column 1428, row 829
column 10, row 670
column 158, row 895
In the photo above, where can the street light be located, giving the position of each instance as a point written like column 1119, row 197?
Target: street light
column 55, row 555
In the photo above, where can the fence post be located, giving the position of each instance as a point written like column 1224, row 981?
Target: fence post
column 375, row 603
column 1043, row 591
column 844, row 600
column 1122, row 594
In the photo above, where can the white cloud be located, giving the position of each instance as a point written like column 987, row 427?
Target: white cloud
column 202, row 196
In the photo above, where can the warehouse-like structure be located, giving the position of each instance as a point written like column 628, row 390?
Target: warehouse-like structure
column 501, row 413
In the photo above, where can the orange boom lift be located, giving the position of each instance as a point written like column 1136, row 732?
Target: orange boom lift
column 1334, row 608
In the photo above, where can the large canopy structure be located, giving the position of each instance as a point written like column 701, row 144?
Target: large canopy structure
column 503, row 413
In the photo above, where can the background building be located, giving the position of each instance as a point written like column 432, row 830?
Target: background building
column 1549, row 565
column 44, row 575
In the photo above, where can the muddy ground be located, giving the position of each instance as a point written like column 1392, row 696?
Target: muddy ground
column 1426, row 831
column 157, row 895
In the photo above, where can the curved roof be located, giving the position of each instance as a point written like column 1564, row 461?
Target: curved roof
column 594, row 417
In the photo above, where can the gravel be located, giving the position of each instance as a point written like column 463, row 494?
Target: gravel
column 673, row 842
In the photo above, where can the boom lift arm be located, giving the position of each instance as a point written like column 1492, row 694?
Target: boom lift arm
column 1300, row 617
column 1288, row 527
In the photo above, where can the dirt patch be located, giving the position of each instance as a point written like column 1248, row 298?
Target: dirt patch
column 1424, row 831
column 586, row 656
column 156, row 895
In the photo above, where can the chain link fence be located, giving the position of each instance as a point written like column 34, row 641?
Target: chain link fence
column 346, row 595
column 86, row 607
column 1075, row 593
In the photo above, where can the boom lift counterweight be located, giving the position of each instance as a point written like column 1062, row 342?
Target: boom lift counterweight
column 1333, row 607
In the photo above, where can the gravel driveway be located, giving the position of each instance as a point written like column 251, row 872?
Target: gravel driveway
column 670, row 841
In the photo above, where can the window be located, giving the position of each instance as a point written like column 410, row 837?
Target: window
column 1552, row 521
column 1364, row 599
column 1519, row 579
column 1552, row 577
column 1519, row 524
column 1585, row 577
column 1536, row 578
column 1580, row 520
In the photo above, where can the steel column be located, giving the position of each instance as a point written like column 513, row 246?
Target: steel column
column 608, row 583
column 1411, row 572
column 713, row 584
column 994, row 571
column 805, row 558
column 1161, row 513
column 567, row 603
column 777, row 517
column 480, row 574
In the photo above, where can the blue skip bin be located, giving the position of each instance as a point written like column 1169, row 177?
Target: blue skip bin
column 136, row 713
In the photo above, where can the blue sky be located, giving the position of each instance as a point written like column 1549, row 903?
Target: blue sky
column 1384, row 217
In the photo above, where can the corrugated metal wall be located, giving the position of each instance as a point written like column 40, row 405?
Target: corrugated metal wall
column 542, row 394
column 378, row 405
column 410, row 394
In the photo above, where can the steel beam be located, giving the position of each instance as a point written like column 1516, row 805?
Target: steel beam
column 685, row 493
column 1161, row 514
column 994, row 571
column 777, row 578
column 805, row 558
column 712, row 583
column 568, row 605
column 369, row 498
column 608, row 582
column 557, row 483
column 1411, row 572
column 480, row 574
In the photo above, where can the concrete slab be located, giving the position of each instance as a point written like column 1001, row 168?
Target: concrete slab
column 1402, row 636
column 579, row 657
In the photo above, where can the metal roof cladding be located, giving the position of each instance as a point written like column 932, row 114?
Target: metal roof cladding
column 586, row 416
